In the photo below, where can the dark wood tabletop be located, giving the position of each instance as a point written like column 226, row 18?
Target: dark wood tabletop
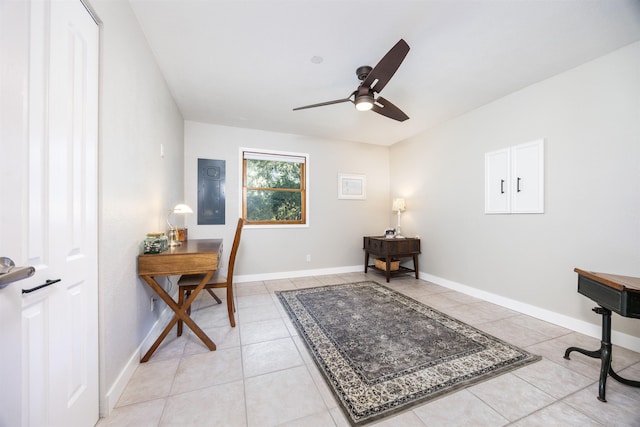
column 620, row 283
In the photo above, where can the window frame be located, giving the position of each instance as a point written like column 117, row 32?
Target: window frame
column 304, row 222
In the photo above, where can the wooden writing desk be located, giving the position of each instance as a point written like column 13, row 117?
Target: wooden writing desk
column 193, row 257
column 620, row 294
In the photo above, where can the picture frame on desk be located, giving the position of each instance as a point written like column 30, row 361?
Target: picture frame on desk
column 352, row 186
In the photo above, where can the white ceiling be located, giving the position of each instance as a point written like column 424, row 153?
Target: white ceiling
column 248, row 63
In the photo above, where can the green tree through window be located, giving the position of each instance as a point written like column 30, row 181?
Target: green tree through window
column 274, row 188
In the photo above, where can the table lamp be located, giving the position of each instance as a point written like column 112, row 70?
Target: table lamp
column 398, row 206
column 173, row 231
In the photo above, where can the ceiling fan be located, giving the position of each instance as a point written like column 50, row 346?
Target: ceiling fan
column 372, row 82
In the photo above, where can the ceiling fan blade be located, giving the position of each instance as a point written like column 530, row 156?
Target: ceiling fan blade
column 387, row 67
column 321, row 104
column 387, row 109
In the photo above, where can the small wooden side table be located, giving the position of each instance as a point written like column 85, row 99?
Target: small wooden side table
column 390, row 249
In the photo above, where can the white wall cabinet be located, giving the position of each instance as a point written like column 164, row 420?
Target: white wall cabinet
column 514, row 179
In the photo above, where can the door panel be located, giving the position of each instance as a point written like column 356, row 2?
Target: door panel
column 497, row 183
column 55, row 227
column 528, row 178
column 36, row 363
column 72, row 201
column 36, row 306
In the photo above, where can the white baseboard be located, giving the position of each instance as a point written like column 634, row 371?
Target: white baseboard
column 623, row 340
column 117, row 388
column 299, row 273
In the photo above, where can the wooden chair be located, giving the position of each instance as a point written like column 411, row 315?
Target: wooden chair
column 188, row 282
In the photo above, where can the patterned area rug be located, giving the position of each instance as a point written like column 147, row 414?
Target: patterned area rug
column 382, row 352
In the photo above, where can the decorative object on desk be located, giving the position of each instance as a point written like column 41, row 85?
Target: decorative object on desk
column 183, row 234
column 398, row 206
column 390, row 233
column 155, row 243
column 394, row 352
column 173, row 231
column 352, row 186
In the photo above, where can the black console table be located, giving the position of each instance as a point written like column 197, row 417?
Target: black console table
column 391, row 249
column 620, row 294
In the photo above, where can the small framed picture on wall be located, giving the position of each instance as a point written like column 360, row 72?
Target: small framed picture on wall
column 352, row 186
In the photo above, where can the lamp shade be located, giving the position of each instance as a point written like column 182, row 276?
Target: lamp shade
column 178, row 209
column 398, row 205
column 182, row 209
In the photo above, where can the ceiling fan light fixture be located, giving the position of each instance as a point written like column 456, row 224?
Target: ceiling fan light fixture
column 364, row 102
column 367, row 96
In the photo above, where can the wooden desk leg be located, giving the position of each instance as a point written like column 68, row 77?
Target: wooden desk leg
column 180, row 314
column 415, row 264
column 366, row 260
column 157, row 343
column 388, row 272
column 188, row 321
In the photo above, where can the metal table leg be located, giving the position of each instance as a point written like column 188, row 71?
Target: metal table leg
column 604, row 353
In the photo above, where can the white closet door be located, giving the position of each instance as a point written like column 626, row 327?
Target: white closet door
column 496, row 182
column 527, row 177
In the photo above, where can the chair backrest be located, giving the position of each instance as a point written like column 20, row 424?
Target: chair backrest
column 234, row 250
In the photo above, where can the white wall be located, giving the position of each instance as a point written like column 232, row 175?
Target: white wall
column 137, row 186
column 590, row 119
column 336, row 227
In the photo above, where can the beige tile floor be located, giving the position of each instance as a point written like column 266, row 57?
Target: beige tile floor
column 261, row 374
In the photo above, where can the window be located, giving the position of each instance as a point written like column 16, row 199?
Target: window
column 274, row 187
